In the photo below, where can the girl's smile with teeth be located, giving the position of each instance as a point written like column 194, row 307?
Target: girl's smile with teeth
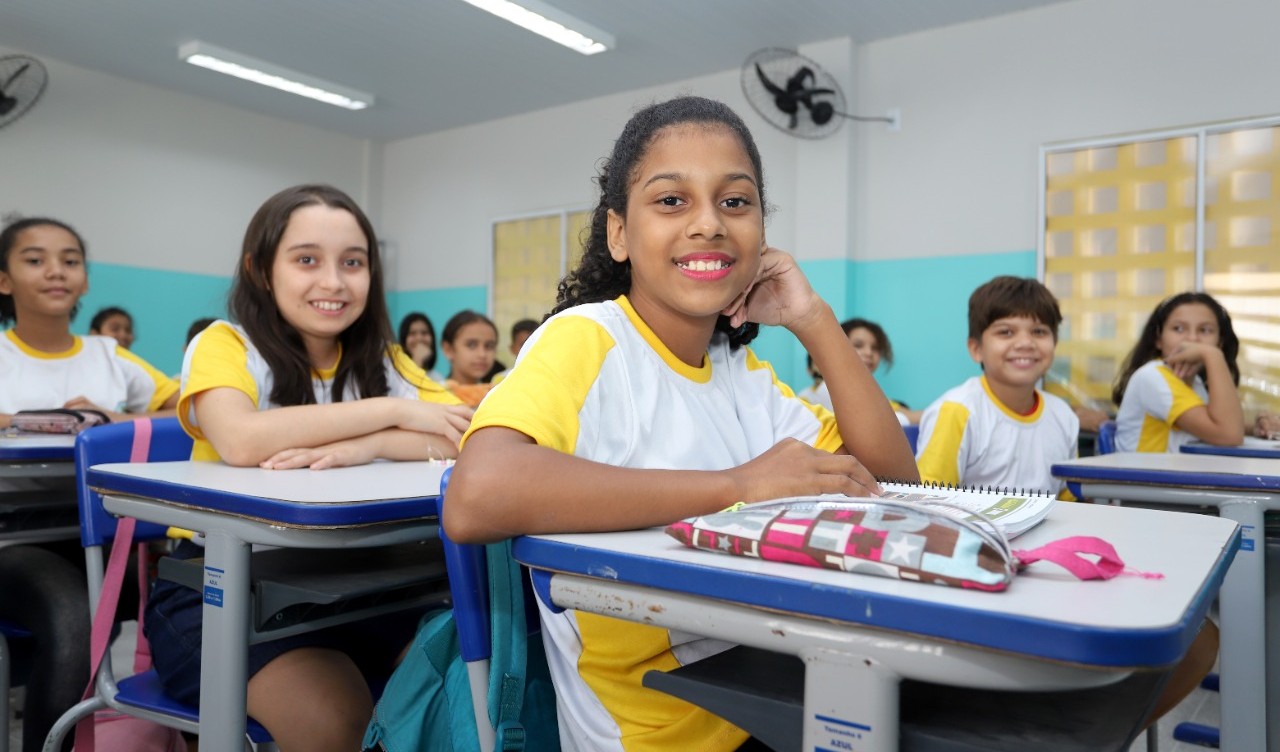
column 703, row 265
column 328, row 305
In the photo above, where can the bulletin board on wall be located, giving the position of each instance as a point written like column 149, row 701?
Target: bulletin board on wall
column 530, row 255
column 1127, row 221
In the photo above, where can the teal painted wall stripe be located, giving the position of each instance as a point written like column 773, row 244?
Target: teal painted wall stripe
column 162, row 303
column 922, row 303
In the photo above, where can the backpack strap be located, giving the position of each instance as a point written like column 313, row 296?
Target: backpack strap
column 112, row 581
column 509, row 638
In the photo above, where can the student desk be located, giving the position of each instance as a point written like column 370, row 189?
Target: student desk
column 1263, row 449
column 371, row 505
column 1242, row 489
column 38, row 457
column 860, row 634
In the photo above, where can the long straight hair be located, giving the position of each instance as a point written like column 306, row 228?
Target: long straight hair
column 252, row 304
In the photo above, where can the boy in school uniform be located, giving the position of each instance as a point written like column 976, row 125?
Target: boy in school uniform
column 998, row 429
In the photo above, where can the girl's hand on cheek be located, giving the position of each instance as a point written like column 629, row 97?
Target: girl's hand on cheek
column 1189, row 357
column 780, row 295
column 793, row 468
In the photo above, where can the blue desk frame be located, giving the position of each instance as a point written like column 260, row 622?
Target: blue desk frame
column 1245, row 450
column 1242, row 489
column 39, row 456
column 372, row 505
column 859, row 635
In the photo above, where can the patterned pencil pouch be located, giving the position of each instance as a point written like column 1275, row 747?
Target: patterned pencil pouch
column 888, row 539
column 57, row 420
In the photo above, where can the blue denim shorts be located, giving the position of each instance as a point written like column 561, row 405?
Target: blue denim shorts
column 173, row 627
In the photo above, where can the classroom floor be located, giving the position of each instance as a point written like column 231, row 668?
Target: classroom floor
column 1200, row 706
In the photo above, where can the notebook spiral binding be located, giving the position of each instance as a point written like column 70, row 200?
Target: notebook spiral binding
column 934, row 485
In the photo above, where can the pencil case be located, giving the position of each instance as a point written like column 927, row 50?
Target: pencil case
column 888, row 539
column 57, row 420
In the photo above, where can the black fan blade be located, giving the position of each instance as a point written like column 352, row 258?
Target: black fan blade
column 773, row 88
column 14, row 77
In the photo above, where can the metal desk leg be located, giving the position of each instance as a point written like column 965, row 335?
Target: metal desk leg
column 224, row 654
column 850, row 703
column 1243, row 652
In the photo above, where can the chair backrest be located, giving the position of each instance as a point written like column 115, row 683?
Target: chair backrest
column 114, row 443
column 469, row 586
column 1106, row 442
column 913, row 436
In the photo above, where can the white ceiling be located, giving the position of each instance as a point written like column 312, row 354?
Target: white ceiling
column 439, row 64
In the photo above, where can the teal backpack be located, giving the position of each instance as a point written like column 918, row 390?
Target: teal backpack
column 427, row 707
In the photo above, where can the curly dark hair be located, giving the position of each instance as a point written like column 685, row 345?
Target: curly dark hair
column 1148, row 346
column 598, row 277
column 9, row 239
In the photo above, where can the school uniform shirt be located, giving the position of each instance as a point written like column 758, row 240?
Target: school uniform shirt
column 596, row 382
column 94, row 367
column 1153, row 401
column 968, row 436
column 223, row 356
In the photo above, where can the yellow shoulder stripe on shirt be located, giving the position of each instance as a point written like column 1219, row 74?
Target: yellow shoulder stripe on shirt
column 428, row 390
column 940, row 460
column 165, row 386
column 544, row 395
column 220, row 359
column 1184, row 397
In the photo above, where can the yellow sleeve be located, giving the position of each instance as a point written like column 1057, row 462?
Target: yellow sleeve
column 939, row 461
column 828, row 438
column 1183, row 397
column 161, row 386
column 219, row 359
column 543, row 397
column 425, row 389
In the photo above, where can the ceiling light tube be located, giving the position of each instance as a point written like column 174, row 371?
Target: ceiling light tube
column 268, row 74
column 556, row 25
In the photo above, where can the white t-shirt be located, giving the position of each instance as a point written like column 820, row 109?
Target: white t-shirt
column 968, row 437
column 1153, row 401
column 594, row 381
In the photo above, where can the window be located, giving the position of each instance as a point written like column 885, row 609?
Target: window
column 530, row 255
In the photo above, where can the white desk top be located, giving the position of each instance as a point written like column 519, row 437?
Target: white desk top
column 1045, row 611
column 1179, row 462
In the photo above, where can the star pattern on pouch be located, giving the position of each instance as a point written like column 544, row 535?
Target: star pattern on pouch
column 724, row 543
column 901, row 549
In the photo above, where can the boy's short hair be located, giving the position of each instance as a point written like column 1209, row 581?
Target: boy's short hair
column 1012, row 296
column 527, row 326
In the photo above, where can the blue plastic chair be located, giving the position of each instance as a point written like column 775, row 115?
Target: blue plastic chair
column 141, row 694
column 913, row 436
column 1106, row 441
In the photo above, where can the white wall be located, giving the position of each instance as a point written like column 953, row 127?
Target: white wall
column 978, row 100
column 158, row 179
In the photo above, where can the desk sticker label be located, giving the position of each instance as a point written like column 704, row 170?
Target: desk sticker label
column 213, row 586
column 1246, row 538
column 840, row 734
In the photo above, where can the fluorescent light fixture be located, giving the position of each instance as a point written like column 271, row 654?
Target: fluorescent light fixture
column 268, row 74
column 556, row 25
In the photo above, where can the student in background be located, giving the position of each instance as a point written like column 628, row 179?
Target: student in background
column 1178, row 384
column 43, row 365
column 113, row 322
column 469, row 341
column 520, row 333
column 418, row 338
column 309, row 377
column 872, row 346
column 998, row 429
column 1267, row 426
column 197, row 326
column 638, row 403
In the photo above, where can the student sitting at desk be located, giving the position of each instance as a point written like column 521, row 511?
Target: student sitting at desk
column 872, row 346
column 309, row 378
column 998, row 429
column 42, row 366
column 638, row 403
column 1178, row 384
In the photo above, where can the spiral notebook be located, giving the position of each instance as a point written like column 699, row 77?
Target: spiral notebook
column 1012, row 511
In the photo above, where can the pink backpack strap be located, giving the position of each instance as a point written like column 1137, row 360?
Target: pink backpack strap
column 1072, row 555
column 109, row 598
